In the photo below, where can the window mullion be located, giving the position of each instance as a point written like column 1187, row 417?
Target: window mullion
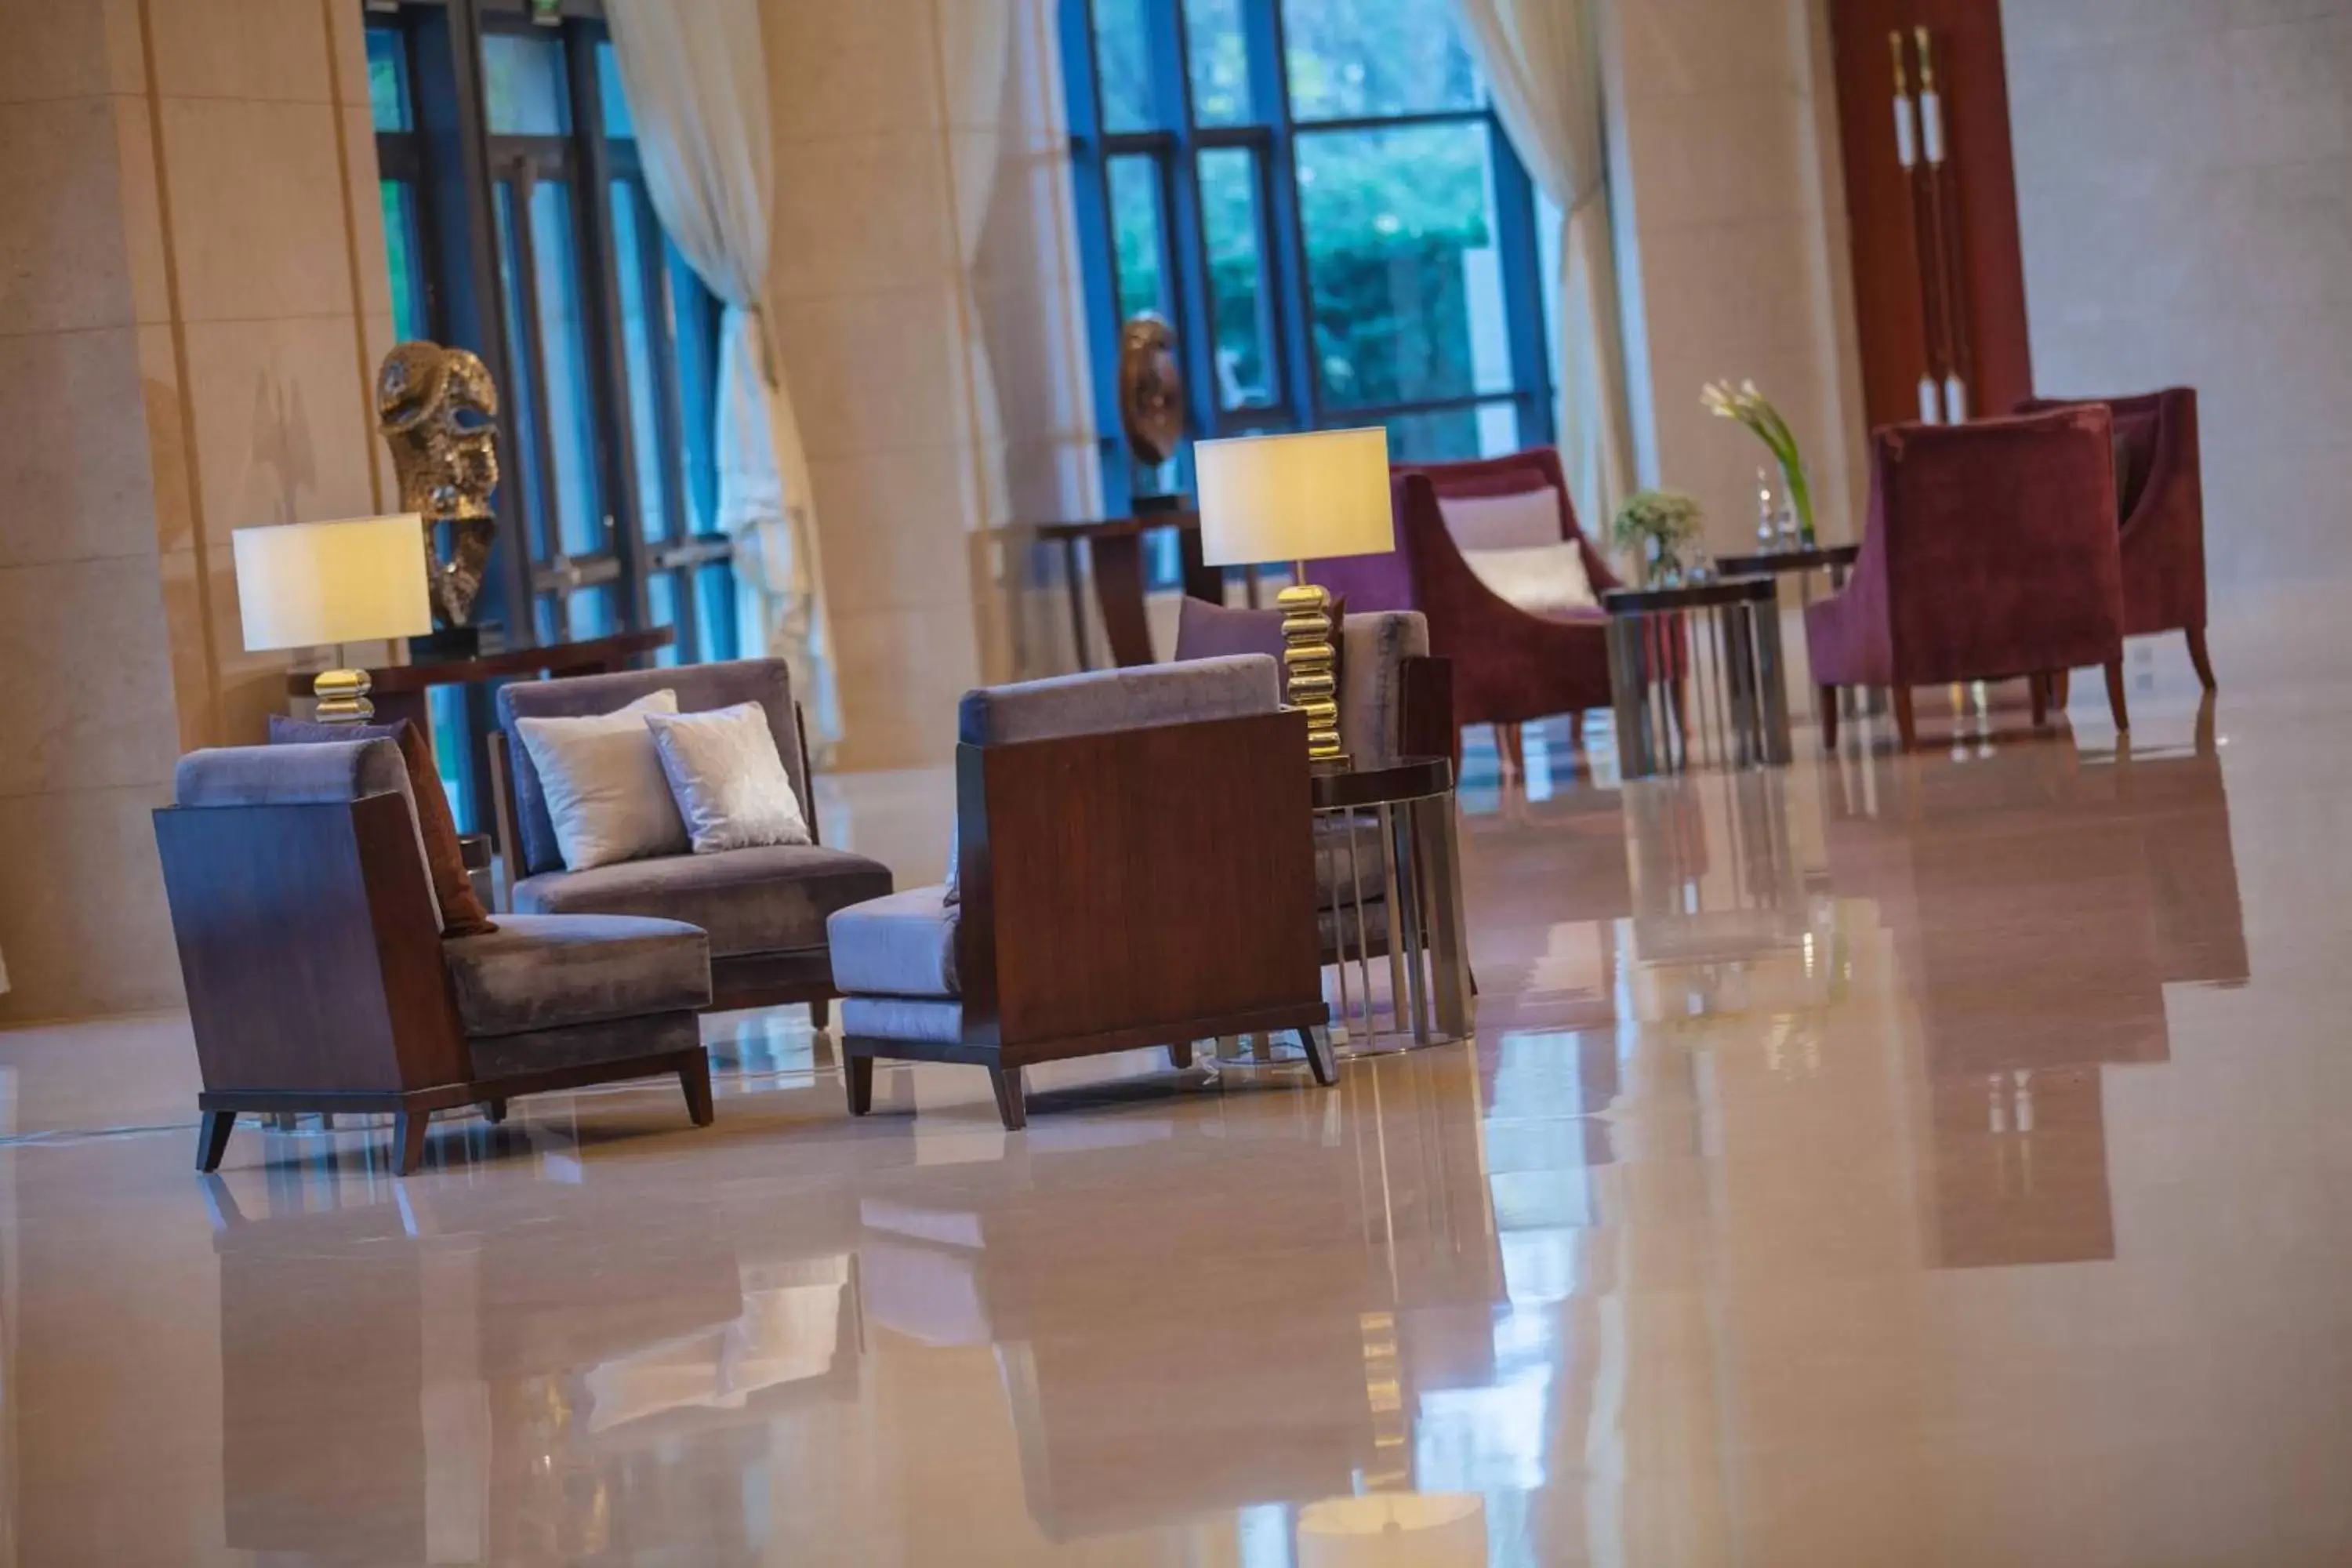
column 1294, row 300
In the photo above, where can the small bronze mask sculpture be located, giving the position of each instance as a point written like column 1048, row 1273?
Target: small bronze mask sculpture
column 438, row 409
column 1151, row 389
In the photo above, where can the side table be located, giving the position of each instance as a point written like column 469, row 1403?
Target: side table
column 1837, row 560
column 1410, row 808
column 1741, row 700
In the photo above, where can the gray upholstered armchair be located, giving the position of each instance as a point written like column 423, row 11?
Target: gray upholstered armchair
column 764, row 909
column 318, row 978
column 1134, row 867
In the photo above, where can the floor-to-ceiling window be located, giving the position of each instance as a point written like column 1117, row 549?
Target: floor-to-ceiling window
column 517, row 224
column 1318, row 197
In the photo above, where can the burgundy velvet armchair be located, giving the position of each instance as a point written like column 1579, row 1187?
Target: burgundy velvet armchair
column 2160, row 500
column 1509, row 666
column 1990, row 553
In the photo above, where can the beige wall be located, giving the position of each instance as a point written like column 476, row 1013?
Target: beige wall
column 2184, row 182
column 1730, row 214
column 191, row 267
column 922, row 214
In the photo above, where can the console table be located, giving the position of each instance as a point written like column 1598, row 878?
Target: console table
column 399, row 690
column 1116, row 546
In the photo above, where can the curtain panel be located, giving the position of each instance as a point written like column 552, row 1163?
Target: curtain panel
column 697, row 79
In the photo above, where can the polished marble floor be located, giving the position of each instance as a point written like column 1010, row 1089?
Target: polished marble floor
column 1890, row 1161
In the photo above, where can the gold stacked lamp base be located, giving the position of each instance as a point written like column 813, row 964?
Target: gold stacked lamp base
column 342, row 696
column 1309, row 665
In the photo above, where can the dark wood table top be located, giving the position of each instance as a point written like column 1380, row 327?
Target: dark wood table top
column 1114, row 527
column 1817, row 558
column 549, row 658
column 1409, row 778
column 1690, row 596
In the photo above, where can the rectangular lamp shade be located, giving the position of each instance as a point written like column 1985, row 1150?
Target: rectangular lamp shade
column 304, row 584
column 1306, row 497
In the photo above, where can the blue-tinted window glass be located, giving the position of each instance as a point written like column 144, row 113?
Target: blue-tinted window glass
column 1238, row 294
column 387, row 58
column 452, row 745
column 563, row 343
column 617, row 119
column 523, row 84
column 591, row 611
column 1217, row 51
column 661, row 604
column 1139, row 230
column 714, row 613
column 402, row 260
column 1401, row 258
column 523, row 386
column 1351, row 60
column 638, row 336
column 1122, row 63
column 694, row 331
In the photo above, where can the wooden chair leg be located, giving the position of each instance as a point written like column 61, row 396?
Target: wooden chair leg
column 1179, row 1053
column 1316, row 1042
column 1511, row 746
column 212, row 1138
column 408, row 1130
column 1829, row 699
column 858, row 1072
column 2037, row 687
column 2062, row 687
column 820, row 1014
column 1906, row 722
column 2198, row 657
column 494, row 1111
column 2116, row 704
column 1012, row 1103
column 694, row 1077
column 1576, row 730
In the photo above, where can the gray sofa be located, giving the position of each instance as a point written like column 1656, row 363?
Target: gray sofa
column 764, row 909
column 318, row 979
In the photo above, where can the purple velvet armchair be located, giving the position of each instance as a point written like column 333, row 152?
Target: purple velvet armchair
column 1509, row 666
column 2160, row 497
column 1990, row 553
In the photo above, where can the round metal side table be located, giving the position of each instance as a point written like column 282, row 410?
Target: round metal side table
column 1703, row 663
column 1408, row 809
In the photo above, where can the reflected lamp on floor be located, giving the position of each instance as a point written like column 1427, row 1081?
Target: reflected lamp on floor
column 1394, row 1529
column 310, row 584
column 1311, row 495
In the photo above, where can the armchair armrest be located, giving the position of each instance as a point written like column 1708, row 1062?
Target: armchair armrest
column 310, row 947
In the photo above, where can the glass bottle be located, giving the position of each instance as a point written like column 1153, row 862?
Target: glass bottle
column 1768, row 514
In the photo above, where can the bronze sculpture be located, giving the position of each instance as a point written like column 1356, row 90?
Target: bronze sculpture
column 1151, row 389
column 436, row 407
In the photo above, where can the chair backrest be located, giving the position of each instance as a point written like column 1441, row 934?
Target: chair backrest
column 1999, row 544
column 2154, row 433
column 328, row 772
column 1373, row 649
column 1097, row 701
column 699, row 687
column 1483, row 504
column 1135, row 850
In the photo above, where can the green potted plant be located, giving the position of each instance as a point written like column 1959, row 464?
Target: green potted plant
column 1655, row 527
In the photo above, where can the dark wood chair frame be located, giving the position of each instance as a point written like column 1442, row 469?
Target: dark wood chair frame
column 1127, row 889
column 737, row 982
column 316, row 982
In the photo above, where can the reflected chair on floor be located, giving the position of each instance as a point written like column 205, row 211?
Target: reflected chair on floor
column 318, row 978
column 2160, row 500
column 1510, row 665
column 1990, row 553
column 1134, row 867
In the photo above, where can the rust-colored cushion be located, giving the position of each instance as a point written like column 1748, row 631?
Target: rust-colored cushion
column 461, row 912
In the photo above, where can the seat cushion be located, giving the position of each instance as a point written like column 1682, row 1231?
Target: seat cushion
column 903, row 945
column 550, row 971
column 931, row 1020
column 766, row 899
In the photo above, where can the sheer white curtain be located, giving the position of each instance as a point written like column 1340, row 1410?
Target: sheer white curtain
column 1542, row 62
column 975, row 44
column 697, row 84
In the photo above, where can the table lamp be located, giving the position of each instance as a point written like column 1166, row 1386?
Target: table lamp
column 1299, row 498
column 306, row 584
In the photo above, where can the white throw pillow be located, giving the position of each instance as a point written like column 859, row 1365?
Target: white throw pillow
column 1517, row 522
column 604, row 783
column 728, row 778
column 1542, row 579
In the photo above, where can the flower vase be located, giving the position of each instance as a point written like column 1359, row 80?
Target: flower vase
column 1797, row 488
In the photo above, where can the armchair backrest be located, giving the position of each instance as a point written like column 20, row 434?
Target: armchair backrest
column 1995, row 545
column 1134, row 849
column 699, row 687
column 304, row 915
column 2156, row 444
